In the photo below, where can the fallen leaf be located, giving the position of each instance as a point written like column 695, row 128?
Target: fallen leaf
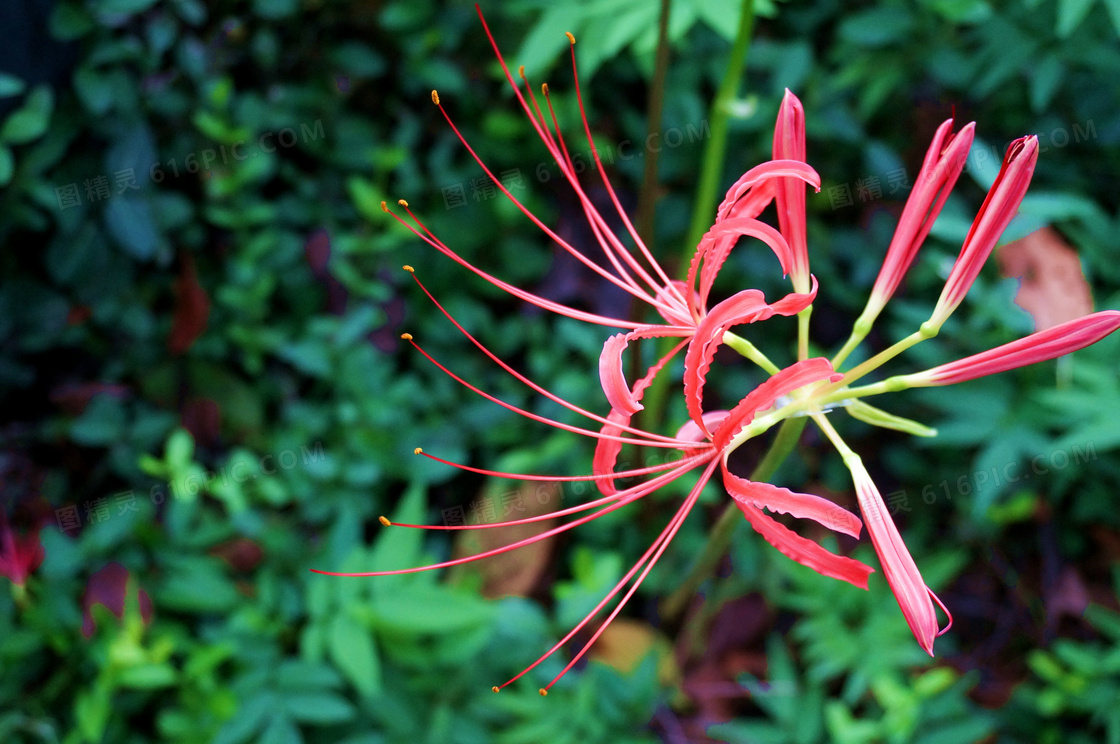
column 1053, row 287
column 192, row 308
column 516, row 572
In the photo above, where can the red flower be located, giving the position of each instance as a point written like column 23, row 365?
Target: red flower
column 19, row 554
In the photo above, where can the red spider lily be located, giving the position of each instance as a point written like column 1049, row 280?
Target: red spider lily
column 695, row 450
column 19, row 554
column 683, row 305
column 810, row 386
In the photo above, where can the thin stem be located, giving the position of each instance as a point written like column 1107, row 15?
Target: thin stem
column 860, row 330
column 803, row 333
column 884, row 356
column 750, row 351
column 647, row 197
column 705, row 207
column 711, row 171
column 719, row 539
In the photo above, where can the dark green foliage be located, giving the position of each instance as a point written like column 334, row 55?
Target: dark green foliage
column 200, row 306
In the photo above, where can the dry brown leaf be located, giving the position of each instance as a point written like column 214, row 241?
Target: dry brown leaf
column 1053, row 288
column 626, row 642
column 514, row 573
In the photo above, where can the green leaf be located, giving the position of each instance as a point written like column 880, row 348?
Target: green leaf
column 366, row 198
column 197, row 584
column 1113, row 7
column 130, row 222
column 70, row 21
column 418, row 609
column 281, row 731
column 31, row 120
column 248, row 719
column 148, row 676
column 7, row 165
column 179, row 452
column 353, row 652
column 318, row 707
column 124, row 7
column 1046, row 77
column 10, row 85
column 1070, row 15
column 102, row 422
column 274, row 9
column 877, row 27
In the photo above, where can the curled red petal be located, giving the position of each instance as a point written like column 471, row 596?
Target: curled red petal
column 784, row 381
column 717, row 243
column 806, row 552
column 800, row 505
column 762, row 175
column 747, row 306
column 611, row 375
column 606, row 450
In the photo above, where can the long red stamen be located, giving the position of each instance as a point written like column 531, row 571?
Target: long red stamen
column 607, row 184
column 542, row 132
column 649, row 558
column 428, row 237
column 535, row 417
column 550, row 515
column 534, row 386
column 594, row 217
column 536, row 221
column 569, row 478
column 622, row 499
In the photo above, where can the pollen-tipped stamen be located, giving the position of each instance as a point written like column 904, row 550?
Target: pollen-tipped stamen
column 649, row 558
column 621, row 499
column 534, row 386
column 428, row 237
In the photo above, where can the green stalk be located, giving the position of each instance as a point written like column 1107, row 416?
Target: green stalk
column 647, row 197
column 704, row 210
column 711, row 171
column 719, row 539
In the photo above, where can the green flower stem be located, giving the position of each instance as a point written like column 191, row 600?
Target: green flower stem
column 719, row 539
column 860, row 330
column 889, row 385
column 927, row 331
column 803, row 333
column 647, row 197
column 711, row 171
column 750, row 351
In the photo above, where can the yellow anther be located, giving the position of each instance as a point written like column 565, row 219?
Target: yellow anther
column 409, row 269
column 571, row 39
column 384, row 207
column 417, row 451
column 521, row 72
column 403, row 203
column 406, row 336
column 544, row 692
column 435, row 98
column 494, row 688
column 544, row 88
column 384, row 521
